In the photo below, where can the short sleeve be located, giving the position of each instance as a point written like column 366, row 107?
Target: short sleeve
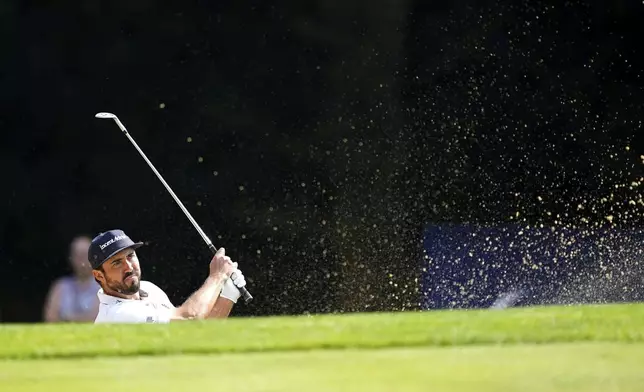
column 141, row 312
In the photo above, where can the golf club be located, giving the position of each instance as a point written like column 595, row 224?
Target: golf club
column 245, row 294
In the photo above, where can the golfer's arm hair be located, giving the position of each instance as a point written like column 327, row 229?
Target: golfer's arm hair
column 201, row 302
column 222, row 308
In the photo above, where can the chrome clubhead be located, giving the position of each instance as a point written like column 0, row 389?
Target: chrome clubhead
column 105, row 115
column 112, row 116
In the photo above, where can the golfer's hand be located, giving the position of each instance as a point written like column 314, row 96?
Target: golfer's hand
column 221, row 266
column 232, row 285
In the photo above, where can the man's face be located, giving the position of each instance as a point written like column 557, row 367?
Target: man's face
column 78, row 256
column 121, row 273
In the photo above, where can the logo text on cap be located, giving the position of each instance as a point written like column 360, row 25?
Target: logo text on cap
column 113, row 240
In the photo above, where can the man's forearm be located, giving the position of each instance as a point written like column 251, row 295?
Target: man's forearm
column 222, row 308
column 200, row 303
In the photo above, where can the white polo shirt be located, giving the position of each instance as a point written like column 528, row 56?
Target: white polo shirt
column 153, row 308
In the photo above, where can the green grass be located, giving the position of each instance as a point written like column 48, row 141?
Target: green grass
column 578, row 367
column 616, row 323
column 575, row 348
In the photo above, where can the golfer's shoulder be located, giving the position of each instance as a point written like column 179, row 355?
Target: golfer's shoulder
column 153, row 291
column 148, row 286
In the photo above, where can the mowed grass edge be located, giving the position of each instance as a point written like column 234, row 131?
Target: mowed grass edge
column 606, row 323
column 587, row 367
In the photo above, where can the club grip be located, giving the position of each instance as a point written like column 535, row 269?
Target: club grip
column 244, row 292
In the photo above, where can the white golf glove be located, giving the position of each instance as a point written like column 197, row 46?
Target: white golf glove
column 230, row 290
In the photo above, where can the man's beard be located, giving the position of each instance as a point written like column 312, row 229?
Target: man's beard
column 122, row 287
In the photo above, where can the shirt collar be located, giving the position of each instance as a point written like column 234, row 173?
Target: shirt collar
column 112, row 300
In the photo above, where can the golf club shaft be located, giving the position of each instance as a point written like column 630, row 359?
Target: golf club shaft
column 244, row 292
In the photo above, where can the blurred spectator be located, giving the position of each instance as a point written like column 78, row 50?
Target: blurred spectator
column 73, row 298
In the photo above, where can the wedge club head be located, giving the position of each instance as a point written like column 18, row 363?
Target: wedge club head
column 105, row 115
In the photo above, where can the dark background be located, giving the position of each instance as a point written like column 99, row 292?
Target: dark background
column 330, row 134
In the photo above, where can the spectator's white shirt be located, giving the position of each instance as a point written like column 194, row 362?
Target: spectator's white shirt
column 153, row 308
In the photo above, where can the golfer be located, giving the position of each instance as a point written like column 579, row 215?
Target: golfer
column 125, row 298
